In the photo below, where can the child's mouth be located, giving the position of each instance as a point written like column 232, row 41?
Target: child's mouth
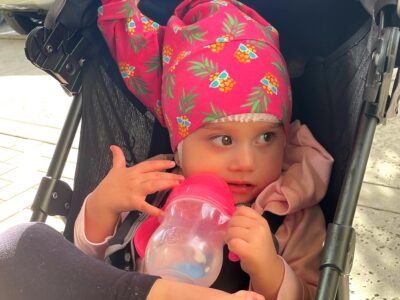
column 240, row 188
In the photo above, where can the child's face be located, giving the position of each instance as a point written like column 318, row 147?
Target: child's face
column 248, row 156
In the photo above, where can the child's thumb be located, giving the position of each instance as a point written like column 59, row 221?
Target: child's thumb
column 118, row 157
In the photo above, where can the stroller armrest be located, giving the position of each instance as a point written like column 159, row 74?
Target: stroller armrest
column 61, row 53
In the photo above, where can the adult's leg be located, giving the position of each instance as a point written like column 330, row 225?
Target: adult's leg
column 37, row 262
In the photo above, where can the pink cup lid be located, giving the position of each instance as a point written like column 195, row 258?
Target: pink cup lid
column 207, row 187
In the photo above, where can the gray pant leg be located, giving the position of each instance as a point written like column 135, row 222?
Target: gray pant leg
column 37, row 262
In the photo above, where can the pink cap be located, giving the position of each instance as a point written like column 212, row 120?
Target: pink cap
column 214, row 59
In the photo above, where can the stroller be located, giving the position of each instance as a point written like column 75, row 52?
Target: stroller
column 341, row 111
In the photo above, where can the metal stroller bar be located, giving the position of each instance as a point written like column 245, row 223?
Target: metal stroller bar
column 337, row 258
column 61, row 53
column 53, row 195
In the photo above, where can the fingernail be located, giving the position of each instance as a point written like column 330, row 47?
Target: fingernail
column 171, row 164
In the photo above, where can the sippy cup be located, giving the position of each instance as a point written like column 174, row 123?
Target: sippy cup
column 188, row 244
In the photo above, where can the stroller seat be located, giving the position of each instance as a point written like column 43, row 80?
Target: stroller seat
column 341, row 111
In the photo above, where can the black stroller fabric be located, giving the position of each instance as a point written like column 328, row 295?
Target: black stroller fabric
column 109, row 118
column 328, row 60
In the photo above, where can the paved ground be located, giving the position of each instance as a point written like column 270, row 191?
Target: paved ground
column 33, row 108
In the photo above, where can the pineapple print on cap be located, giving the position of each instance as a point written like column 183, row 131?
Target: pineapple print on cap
column 222, row 81
column 270, row 84
column 148, row 24
column 130, row 26
column 206, row 68
column 180, row 57
column 232, row 29
column 127, row 71
column 245, row 53
column 186, row 104
column 167, row 53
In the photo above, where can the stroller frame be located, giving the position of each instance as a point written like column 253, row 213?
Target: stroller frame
column 45, row 49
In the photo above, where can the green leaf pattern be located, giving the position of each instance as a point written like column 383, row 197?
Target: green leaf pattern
column 187, row 102
column 282, row 71
column 139, row 85
column 170, row 84
column 197, row 16
column 258, row 101
column 154, row 64
column 214, row 115
column 259, row 44
column 127, row 10
column 214, row 8
column 203, row 68
column 193, row 33
column 231, row 25
column 137, row 42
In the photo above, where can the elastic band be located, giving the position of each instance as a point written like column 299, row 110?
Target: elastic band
column 249, row 117
column 179, row 149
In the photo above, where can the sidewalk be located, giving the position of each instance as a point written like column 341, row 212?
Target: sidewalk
column 33, row 109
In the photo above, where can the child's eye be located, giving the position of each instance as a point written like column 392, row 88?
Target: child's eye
column 266, row 137
column 224, row 140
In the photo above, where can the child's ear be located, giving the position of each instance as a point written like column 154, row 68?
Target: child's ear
column 176, row 159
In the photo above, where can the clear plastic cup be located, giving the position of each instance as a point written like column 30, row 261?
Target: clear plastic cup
column 188, row 244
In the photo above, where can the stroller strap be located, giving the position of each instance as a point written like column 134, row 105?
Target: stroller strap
column 119, row 250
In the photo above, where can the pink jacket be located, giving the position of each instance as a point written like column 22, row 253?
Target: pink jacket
column 302, row 232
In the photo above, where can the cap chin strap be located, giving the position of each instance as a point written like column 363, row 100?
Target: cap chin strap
column 178, row 155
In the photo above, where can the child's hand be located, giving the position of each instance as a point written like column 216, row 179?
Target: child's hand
column 244, row 295
column 250, row 237
column 125, row 189
column 170, row 289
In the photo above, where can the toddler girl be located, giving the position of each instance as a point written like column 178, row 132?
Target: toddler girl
column 215, row 78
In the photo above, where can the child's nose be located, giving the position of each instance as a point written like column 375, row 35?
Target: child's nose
column 243, row 159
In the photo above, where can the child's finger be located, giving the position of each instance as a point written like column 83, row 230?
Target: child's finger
column 248, row 295
column 238, row 246
column 118, row 157
column 150, row 209
column 162, row 157
column 152, row 186
column 153, row 165
column 237, row 233
column 154, row 176
column 247, row 212
column 241, row 221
